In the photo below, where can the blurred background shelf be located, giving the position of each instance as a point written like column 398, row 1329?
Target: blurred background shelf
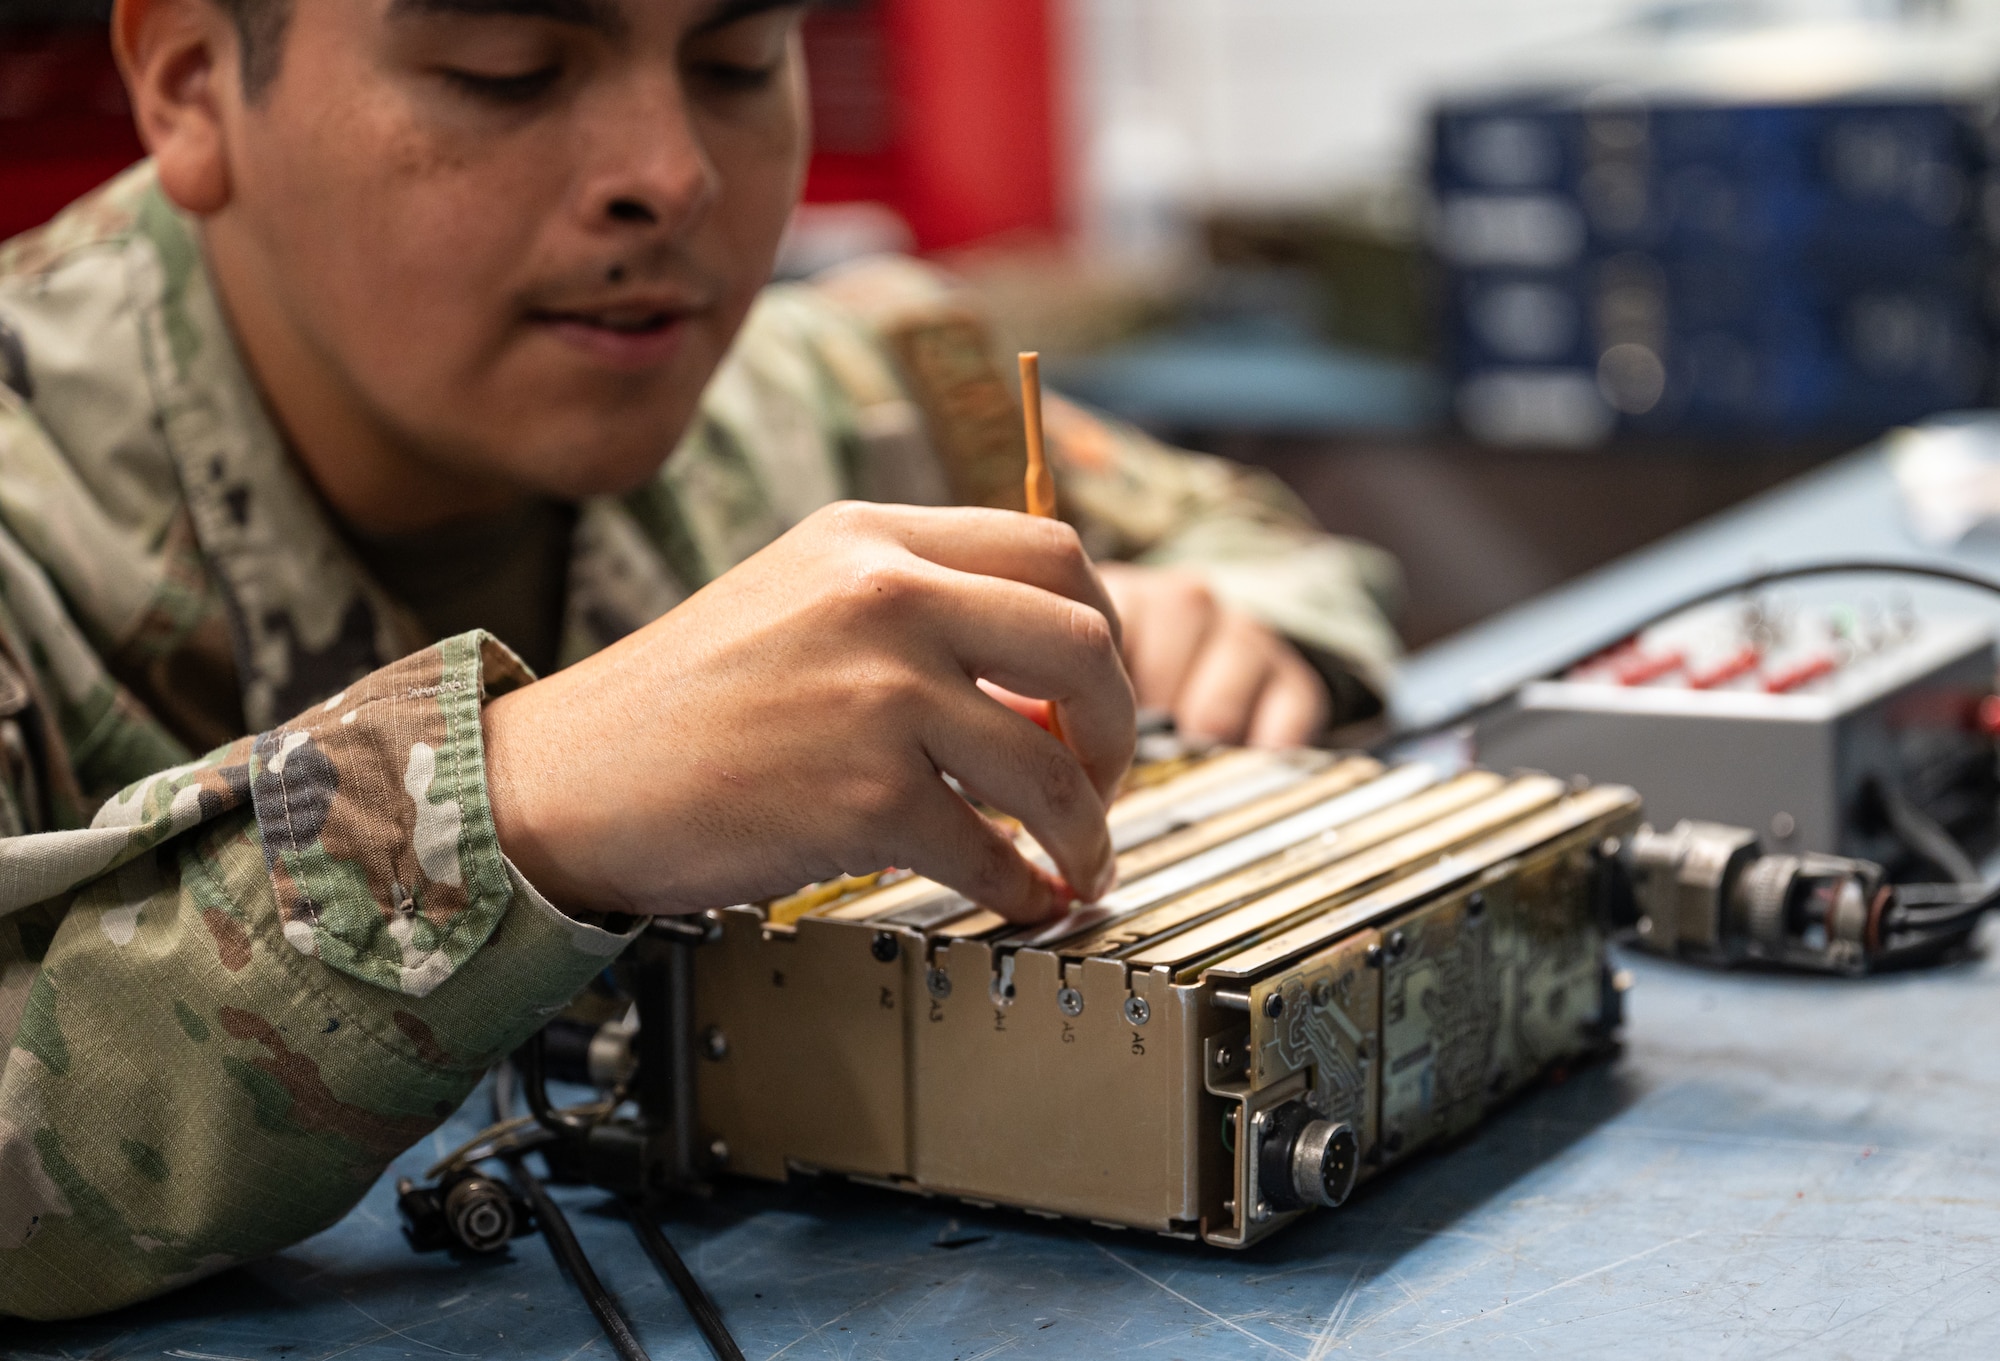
column 1511, row 287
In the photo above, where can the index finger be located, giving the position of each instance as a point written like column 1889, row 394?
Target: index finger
column 996, row 543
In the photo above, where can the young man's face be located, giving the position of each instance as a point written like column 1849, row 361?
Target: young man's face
column 516, row 235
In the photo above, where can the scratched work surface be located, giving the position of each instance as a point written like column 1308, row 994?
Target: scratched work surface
column 1776, row 1167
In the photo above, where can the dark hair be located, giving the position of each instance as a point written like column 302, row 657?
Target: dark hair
column 260, row 28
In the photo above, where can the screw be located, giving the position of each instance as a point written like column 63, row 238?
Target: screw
column 1323, row 993
column 1262, row 1212
column 1260, row 1121
column 1398, row 943
column 1225, row 1058
column 1475, row 906
column 1610, row 847
column 939, row 983
column 1274, row 1005
column 1070, row 1001
column 1136, row 1010
column 715, row 1044
column 1374, row 957
column 885, row 947
column 719, row 1150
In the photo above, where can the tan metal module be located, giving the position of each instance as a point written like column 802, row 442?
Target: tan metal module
column 1313, row 968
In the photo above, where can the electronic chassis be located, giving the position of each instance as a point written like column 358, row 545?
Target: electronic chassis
column 1315, row 966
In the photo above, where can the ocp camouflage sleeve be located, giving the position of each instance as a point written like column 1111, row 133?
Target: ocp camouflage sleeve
column 1131, row 497
column 315, row 948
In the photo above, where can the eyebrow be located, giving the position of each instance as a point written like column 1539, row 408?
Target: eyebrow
column 602, row 15
column 729, row 12
column 597, row 14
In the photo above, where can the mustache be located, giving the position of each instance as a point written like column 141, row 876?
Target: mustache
column 657, row 271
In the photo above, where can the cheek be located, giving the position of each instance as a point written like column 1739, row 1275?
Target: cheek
column 760, row 163
column 386, row 236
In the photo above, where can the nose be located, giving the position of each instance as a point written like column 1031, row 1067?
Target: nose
column 647, row 166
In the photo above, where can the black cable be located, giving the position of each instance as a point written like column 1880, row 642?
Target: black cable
column 528, row 1070
column 700, row 1306
column 1923, row 834
column 1940, row 897
column 1937, row 918
column 569, row 1255
column 554, row 1224
column 1739, row 586
column 1837, row 567
column 1910, row 911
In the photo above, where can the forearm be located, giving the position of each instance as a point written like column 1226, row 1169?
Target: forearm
column 305, row 952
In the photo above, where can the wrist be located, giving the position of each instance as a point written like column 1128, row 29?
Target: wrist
column 532, row 819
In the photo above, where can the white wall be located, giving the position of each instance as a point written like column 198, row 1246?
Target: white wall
column 1186, row 102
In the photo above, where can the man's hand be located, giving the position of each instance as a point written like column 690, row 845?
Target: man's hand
column 795, row 719
column 1220, row 673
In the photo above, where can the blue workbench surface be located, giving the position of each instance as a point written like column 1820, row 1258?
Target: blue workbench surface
column 1776, row 1166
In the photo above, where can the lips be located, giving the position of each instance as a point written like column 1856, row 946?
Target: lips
column 629, row 336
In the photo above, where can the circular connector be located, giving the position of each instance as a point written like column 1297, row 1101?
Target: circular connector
column 1762, row 893
column 480, row 1214
column 1303, row 1160
column 1325, row 1161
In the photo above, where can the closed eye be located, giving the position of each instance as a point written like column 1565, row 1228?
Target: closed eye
column 520, row 88
column 732, row 78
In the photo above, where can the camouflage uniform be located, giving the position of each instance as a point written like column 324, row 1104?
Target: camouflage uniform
column 233, row 986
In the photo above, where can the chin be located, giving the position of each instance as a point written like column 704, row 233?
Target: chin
column 564, row 476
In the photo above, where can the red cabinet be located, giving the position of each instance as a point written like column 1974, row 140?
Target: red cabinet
column 948, row 111
column 945, row 110
column 64, row 123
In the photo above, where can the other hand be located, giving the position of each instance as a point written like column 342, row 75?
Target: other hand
column 1220, row 673
column 794, row 721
